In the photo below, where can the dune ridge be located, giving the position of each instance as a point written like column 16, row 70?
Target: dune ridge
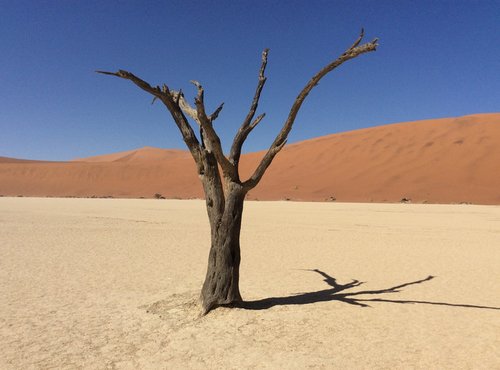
column 449, row 160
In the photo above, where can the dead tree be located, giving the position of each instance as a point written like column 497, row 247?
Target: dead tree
column 219, row 173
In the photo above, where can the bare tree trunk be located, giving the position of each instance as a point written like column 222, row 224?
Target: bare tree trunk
column 221, row 286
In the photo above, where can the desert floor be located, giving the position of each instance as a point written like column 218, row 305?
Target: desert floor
column 107, row 283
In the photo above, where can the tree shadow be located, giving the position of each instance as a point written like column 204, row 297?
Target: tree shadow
column 337, row 293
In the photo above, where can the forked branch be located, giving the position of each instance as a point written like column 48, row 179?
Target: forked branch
column 179, row 107
column 279, row 142
column 248, row 125
column 211, row 139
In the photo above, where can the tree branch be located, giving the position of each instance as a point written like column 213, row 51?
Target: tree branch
column 167, row 98
column 358, row 40
column 211, row 139
column 256, row 121
column 206, row 162
column 185, row 106
column 156, row 91
column 279, row 142
column 215, row 114
column 247, row 126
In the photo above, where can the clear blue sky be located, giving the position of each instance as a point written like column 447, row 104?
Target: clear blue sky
column 436, row 59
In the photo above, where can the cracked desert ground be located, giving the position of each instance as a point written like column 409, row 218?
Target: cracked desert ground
column 110, row 283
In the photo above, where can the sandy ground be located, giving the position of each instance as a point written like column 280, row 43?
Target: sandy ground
column 104, row 284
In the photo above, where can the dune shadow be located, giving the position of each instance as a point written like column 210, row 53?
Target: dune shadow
column 339, row 292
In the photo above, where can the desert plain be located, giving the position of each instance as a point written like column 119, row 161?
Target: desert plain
column 113, row 284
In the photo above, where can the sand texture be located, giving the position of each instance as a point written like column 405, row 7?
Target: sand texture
column 112, row 284
column 450, row 160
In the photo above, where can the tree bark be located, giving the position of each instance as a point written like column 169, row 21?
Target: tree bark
column 221, row 286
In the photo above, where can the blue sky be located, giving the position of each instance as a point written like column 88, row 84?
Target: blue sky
column 436, row 59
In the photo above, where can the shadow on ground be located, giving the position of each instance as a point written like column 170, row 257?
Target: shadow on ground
column 339, row 292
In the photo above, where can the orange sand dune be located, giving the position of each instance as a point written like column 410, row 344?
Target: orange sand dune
column 15, row 160
column 145, row 154
column 449, row 160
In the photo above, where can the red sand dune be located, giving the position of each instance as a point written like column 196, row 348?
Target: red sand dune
column 449, row 160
